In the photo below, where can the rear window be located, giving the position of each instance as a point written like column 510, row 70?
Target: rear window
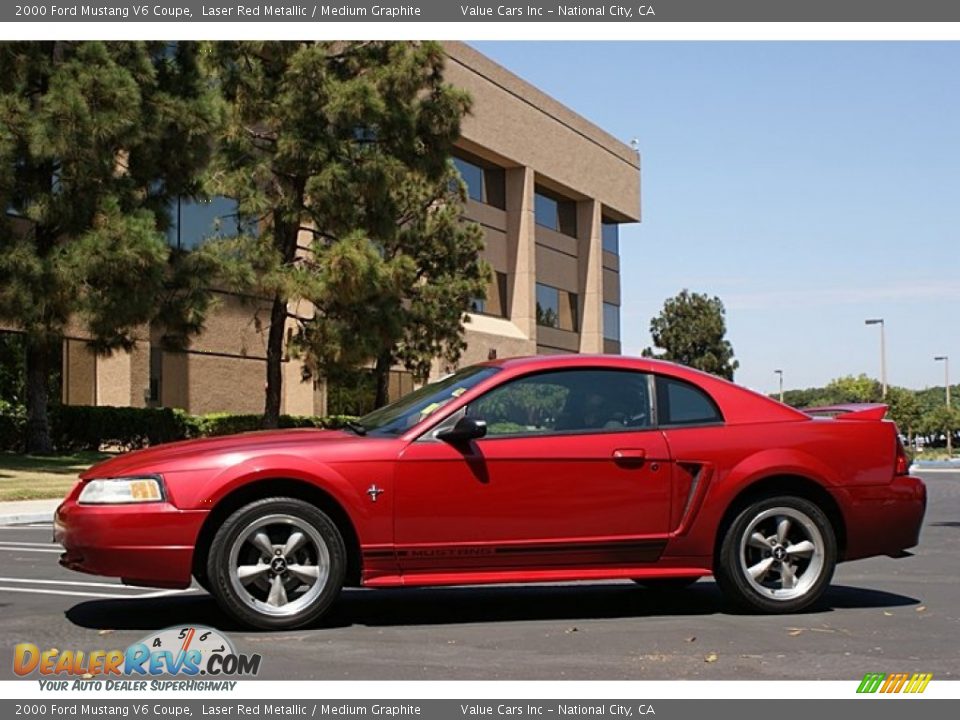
column 680, row 403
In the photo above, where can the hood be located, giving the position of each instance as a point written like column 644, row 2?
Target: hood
column 217, row 451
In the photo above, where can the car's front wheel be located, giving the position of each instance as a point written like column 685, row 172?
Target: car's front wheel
column 778, row 555
column 277, row 563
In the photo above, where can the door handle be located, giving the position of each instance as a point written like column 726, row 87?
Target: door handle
column 629, row 456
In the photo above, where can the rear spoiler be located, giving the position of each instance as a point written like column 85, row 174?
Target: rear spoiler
column 852, row 411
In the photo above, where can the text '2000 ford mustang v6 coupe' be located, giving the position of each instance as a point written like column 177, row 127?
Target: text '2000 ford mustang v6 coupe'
column 525, row 470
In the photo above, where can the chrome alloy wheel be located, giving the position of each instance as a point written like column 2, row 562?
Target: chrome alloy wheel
column 279, row 564
column 782, row 553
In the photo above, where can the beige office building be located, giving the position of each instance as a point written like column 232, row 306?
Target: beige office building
column 550, row 190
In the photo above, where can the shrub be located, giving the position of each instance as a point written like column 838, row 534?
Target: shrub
column 86, row 427
column 13, row 418
column 83, row 427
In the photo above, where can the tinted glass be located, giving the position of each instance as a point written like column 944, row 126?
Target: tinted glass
column 472, row 177
column 611, row 321
column 547, row 212
column 680, row 403
column 566, row 401
column 548, row 306
column 495, row 300
column 610, row 236
column 396, row 418
column 197, row 221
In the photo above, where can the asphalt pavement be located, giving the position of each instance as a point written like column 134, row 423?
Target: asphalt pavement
column 880, row 615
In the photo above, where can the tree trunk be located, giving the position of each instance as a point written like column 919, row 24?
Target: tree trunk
column 37, row 378
column 285, row 240
column 382, row 372
column 278, row 321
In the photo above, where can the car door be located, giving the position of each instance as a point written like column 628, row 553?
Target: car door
column 571, row 473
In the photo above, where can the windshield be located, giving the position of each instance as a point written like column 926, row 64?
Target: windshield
column 398, row 417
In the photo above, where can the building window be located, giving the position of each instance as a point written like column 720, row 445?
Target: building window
column 611, row 321
column 556, row 308
column 193, row 222
column 154, row 394
column 495, row 301
column 610, row 237
column 555, row 212
column 485, row 183
column 472, row 176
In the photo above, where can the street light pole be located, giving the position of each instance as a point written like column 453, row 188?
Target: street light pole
column 780, row 373
column 945, row 359
column 883, row 352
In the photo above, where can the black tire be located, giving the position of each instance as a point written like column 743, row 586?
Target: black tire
column 667, row 583
column 741, row 551
column 252, row 603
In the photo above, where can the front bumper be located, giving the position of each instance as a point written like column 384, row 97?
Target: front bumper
column 148, row 544
column 883, row 519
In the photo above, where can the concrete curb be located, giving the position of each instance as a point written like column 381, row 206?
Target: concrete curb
column 28, row 511
column 26, row 518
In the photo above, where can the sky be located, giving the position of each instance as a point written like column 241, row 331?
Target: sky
column 809, row 185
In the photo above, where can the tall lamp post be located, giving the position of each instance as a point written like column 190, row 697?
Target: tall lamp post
column 945, row 359
column 883, row 353
column 780, row 373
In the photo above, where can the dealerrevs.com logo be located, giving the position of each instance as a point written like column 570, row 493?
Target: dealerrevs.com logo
column 911, row 683
column 189, row 651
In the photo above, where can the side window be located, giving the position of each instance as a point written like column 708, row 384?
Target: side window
column 680, row 403
column 566, row 401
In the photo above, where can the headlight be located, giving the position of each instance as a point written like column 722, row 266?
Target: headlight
column 121, row 491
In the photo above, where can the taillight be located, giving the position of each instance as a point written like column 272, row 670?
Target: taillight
column 902, row 464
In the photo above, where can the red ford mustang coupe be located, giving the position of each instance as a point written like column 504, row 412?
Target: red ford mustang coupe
column 537, row 469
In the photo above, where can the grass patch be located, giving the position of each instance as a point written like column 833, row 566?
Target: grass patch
column 37, row 477
column 935, row 454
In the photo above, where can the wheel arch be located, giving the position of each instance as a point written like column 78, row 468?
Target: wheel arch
column 280, row 487
column 785, row 484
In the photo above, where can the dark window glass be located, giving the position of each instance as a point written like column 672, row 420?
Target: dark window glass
column 486, row 183
column 547, row 211
column 556, row 308
column 611, row 321
column 548, row 306
column 566, row 401
column 495, row 187
column 192, row 222
column 610, row 236
column 555, row 213
column 495, row 301
column 680, row 403
column 156, row 374
column 472, row 177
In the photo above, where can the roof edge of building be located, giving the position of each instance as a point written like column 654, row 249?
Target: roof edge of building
column 479, row 63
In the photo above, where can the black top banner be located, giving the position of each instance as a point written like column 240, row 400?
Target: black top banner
column 623, row 11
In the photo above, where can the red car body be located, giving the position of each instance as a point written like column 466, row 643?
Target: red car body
column 650, row 503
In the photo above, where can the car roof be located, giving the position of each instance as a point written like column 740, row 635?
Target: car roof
column 536, row 362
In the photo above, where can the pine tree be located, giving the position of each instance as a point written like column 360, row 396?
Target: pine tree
column 691, row 330
column 96, row 139
column 339, row 154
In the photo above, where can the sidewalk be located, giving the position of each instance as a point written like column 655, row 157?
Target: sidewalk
column 953, row 464
column 21, row 512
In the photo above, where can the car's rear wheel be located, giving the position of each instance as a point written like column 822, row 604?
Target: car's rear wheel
column 667, row 583
column 277, row 563
column 778, row 555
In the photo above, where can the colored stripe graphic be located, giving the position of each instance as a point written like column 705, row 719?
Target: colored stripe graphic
column 894, row 683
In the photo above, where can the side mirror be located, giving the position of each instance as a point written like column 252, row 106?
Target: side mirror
column 467, row 428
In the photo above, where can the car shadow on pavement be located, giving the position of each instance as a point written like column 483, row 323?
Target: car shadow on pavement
column 477, row 604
